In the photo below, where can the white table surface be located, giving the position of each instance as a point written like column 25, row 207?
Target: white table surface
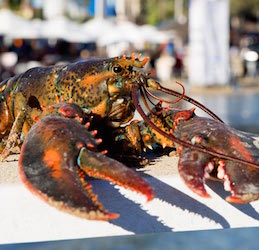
column 26, row 218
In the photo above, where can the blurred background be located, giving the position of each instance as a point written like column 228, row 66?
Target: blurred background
column 212, row 46
column 208, row 42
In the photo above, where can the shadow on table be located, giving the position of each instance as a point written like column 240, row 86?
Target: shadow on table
column 247, row 209
column 135, row 219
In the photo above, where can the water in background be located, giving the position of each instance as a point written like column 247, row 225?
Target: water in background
column 239, row 110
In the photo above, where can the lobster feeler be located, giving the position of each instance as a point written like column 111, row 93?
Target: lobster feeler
column 163, row 100
column 157, row 86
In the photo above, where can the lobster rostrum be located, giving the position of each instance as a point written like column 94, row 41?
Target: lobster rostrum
column 57, row 110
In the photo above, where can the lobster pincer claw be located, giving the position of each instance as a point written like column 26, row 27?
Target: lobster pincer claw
column 192, row 168
column 243, row 184
column 58, row 156
column 240, row 179
column 99, row 166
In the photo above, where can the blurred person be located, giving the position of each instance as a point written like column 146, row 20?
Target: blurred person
column 164, row 66
column 151, row 66
column 236, row 64
column 178, row 67
column 170, row 47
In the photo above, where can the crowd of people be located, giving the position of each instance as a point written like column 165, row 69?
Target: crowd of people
column 166, row 60
column 18, row 55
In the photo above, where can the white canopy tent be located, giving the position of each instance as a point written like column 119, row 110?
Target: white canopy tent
column 15, row 26
column 105, row 32
column 125, row 31
column 116, row 38
column 63, row 28
column 97, row 27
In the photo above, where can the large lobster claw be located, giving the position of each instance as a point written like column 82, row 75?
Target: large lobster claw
column 242, row 180
column 56, row 159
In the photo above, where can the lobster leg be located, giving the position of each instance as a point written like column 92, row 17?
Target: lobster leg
column 20, row 110
column 14, row 135
column 4, row 116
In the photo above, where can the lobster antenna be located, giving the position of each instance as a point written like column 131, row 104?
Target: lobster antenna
column 144, row 96
column 190, row 100
column 145, row 101
column 163, row 100
column 179, row 141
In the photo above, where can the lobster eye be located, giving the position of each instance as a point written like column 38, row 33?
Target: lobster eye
column 117, row 69
column 130, row 68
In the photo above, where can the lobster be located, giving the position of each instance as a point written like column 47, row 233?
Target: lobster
column 57, row 109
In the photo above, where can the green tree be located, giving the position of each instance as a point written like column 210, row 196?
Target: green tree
column 154, row 12
column 242, row 8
